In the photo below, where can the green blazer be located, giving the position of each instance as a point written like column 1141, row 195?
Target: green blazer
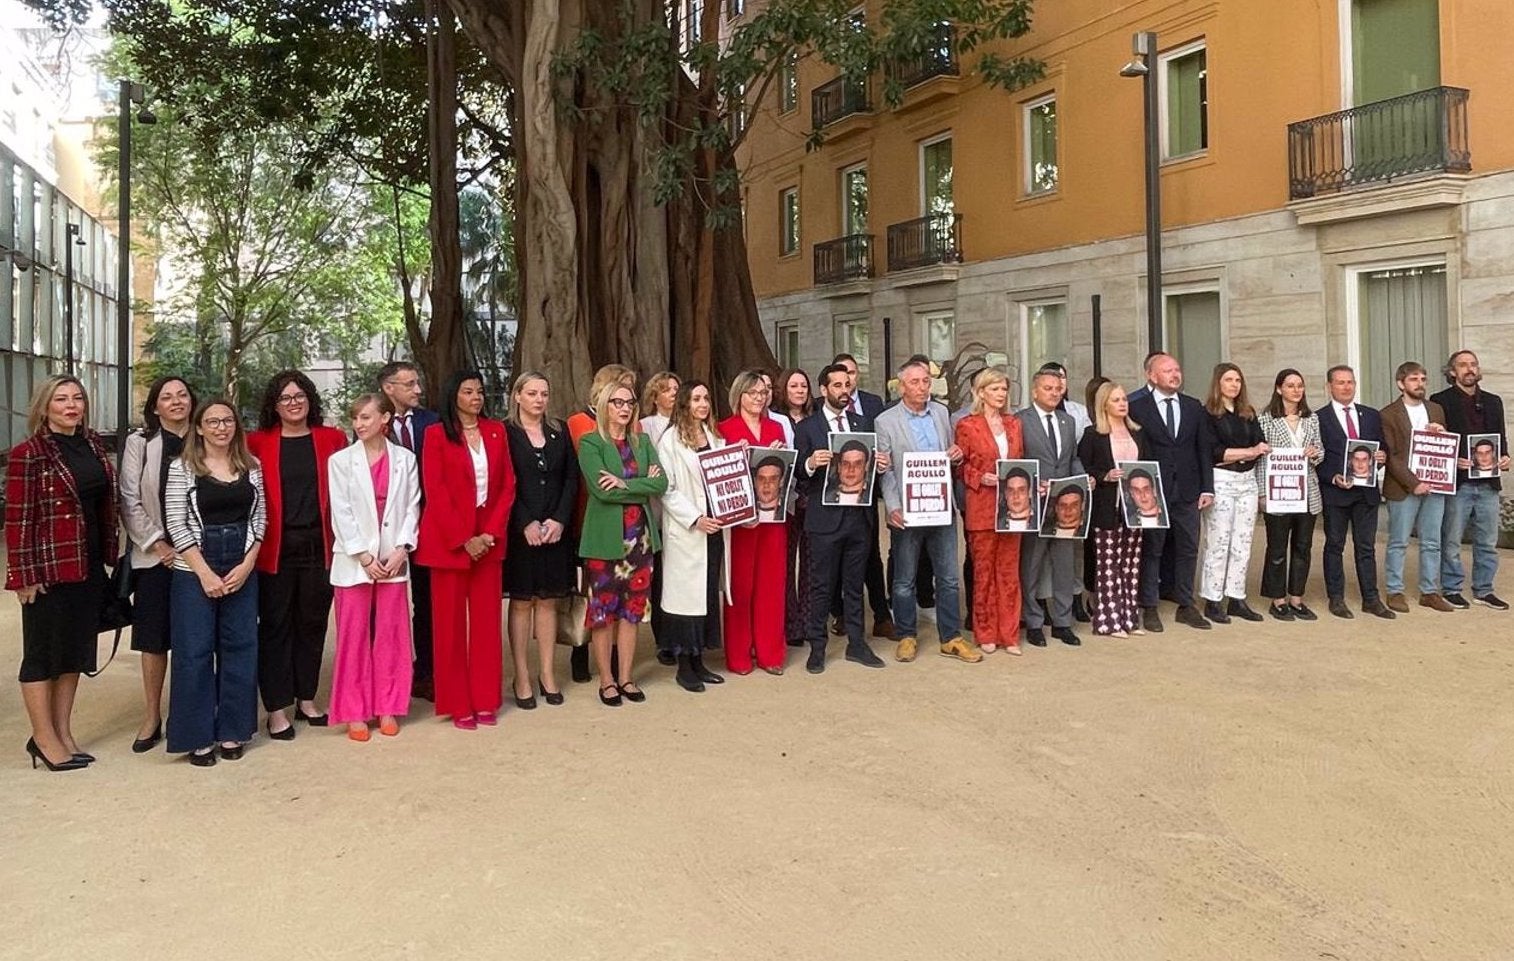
column 604, row 524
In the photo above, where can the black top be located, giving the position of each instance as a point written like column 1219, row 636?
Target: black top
column 91, row 483
column 224, row 502
column 298, row 482
column 546, row 478
column 1233, row 430
column 173, row 446
column 1476, row 413
column 1096, row 455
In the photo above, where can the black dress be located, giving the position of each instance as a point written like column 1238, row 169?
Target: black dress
column 59, row 629
column 546, row 488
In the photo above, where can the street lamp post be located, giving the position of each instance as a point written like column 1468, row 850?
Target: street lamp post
column 1144, row 46
column 70, row 239
column 130, row 93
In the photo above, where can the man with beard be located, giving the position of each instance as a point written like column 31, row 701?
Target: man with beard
column 1410, row 500
column 1471, row 410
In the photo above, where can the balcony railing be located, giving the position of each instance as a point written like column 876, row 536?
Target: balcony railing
column 1423, row 132
column 932, row 239
column 938, row 59
column 838, row 100
column 845, row 258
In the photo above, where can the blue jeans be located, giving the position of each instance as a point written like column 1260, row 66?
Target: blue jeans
column 940, row 544
column 1402, row 515
column 213, row 695
column 1474, row 505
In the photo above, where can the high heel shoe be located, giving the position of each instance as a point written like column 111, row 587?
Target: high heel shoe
column 144, row 744
column 85, row 756
column 314, row 720
column 285, row 735
column 551, row 697
column 72, row 764
column 527, row 703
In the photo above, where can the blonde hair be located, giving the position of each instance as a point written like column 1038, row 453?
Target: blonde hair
column 985, row 378
column 602, row 410
column 611, row 375
column 521, row 380
column 36, row 414
column 744, row 382
column 385, row 405
column 654, row 386
column 1101, row 422
column 193, row 456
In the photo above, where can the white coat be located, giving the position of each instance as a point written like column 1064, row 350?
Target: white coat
column 685, row 551
column 355, row 526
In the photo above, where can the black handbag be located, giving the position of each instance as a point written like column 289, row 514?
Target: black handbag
column 115, row 607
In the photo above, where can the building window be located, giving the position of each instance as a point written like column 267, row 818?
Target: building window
column 788, row 345
column 1399, row 314
column 1041, row 145
column 1194, row 334
column 936, row 176
column 853, row 337
column 854, row 200
column 1044, row 337
column 788, row 217
column 938, row 335
column 1184, row 80
column 788, row 84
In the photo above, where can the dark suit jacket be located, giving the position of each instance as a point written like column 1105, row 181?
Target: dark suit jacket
column 871, row 404
column 812, row 434
column 420, row 419
column 1453, row 402
column 1098, row 459
column 1369, row 426
column 1188, row 459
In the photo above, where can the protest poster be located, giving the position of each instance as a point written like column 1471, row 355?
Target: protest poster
column 1432, row 458
column 849, row 475
column 1141, row 494
column 1287, row 471
column 1360, row 466
column 1019, row 500
column 772, row 479
column 1067, row 507
column 925, row 479
column 728, row 485
column 1484, row 451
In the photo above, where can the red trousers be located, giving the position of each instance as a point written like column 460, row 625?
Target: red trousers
column 996, row 586
column 754, row 618
column 465, row 637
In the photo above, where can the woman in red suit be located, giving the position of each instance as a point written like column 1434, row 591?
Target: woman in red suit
column 988, row 434
column 470, row 487
column 294, row 582
column 759, row 562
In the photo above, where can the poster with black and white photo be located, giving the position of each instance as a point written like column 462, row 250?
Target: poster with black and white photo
column 1141, row 495
column 772, row 479
column 1067, row 500
column 1360, row 467
column 849, row 476
column 1484, row 452
column 1019, row 501
column 1432, row 458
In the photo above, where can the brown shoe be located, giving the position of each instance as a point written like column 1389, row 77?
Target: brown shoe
column 962, row 650
column 884, row 629
column 1435, row 602
column 906, row 650
column 1397, row 602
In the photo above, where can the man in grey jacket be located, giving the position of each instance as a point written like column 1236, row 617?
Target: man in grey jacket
column 1050, row 438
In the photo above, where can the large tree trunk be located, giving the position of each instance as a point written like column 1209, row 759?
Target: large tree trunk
column 446, row 347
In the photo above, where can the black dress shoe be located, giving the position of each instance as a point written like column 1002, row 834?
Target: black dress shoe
column 551, row 697
column 1212, row 612
column 1302, row 612
column 1339, row 609
column 208, row 759
column 1151, row 620
column 285, row 735
column 1035, row 636
column 703, row 673
column 815, row 663
column 314, row 720
column 634, row 696
column 527, row 703
column 1189, row 615
column 578, row 661
column 1079, row 610
column 610, row 701
column 1239, row 608
column 1380, row 609
column 666, row 658
column 144, row 744
column 72, row 764
column 690, row 682
column 231, row 753
column 1282, row 612
column 1066, row 636
column 1455, row 599
column 862, row 654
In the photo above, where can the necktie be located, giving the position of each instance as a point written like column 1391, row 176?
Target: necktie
column 1051, row 435
column 405, row 438
column 840, row 424
column 1172, row 416
column 1350, row 424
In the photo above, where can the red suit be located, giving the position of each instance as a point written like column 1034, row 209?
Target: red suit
column 465, row 605
column 996, row 556
column 754, row 619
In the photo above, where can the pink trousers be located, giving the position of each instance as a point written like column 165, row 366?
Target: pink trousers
column 372, row 673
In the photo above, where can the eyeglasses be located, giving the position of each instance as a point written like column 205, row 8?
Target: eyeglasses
column 757, row 392
column 410, row 384
column 621, row 402
column 217, row 422
column 290, row 400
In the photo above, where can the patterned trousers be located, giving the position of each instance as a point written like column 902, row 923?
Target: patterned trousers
column 1117, row 580
column 1227, row 542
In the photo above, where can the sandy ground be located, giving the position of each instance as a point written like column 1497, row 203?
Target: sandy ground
column 1273, row 791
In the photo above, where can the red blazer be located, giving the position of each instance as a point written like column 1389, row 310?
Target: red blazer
column 451, row 515
column 44, row 519
column 264, row 445
column 979, row 452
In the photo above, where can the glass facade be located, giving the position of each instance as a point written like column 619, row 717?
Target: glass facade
column 34, row 250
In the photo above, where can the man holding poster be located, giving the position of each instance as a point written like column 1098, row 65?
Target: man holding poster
column 1472, row 513
column 917, row 426
column 1410, row 491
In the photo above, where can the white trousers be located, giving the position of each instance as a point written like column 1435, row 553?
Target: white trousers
column 1227, row 539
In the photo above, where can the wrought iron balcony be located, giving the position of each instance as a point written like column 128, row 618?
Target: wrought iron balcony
column 932, row 239
column 845, row 258
column 1423, row 132
column 838, row 100
column 938, row 59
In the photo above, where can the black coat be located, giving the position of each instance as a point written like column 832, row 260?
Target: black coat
column 1098, row 459
column 1188, row 459
column 812, row 434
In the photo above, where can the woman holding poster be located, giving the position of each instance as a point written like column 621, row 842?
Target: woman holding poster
column 754, row 618
column 988, row 434
column 1289, row 425
column 693, row 545
column 1113, row 439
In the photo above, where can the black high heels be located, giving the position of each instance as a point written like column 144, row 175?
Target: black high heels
column 206, row 759
column 285, row 735
column 314, row 720
column 144, row 744
column 551, row 697
column 527, row 703
column 85, row 756
column 74, row 762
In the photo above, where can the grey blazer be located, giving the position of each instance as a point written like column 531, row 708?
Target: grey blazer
column 141, row 504
column 896, row 439
column 1054, row 465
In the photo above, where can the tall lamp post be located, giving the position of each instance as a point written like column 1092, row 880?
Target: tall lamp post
column 70, row 239
column 131, row 93
column 1144, row 46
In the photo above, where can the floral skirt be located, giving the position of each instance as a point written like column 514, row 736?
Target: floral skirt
column 620, row 590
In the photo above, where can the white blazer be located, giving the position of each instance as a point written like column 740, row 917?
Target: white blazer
column 355, row 526
column 685, row 551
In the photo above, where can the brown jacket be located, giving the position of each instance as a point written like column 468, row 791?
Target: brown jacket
column 1398, row 482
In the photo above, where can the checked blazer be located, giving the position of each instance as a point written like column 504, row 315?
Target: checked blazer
column 44, row 518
